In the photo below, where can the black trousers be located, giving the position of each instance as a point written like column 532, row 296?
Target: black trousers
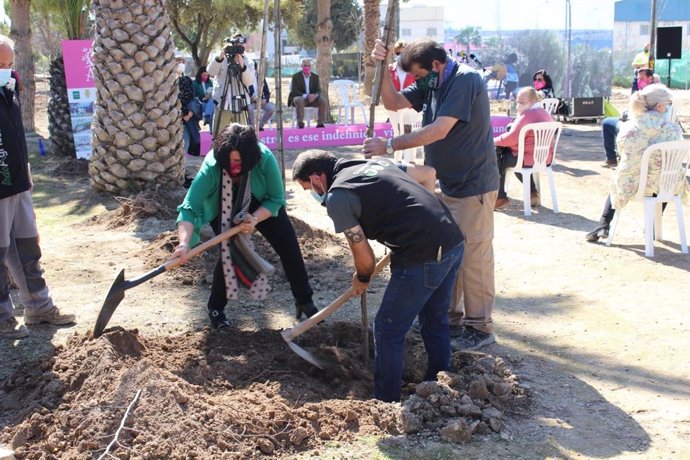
column 506, row 160
column 280, row 234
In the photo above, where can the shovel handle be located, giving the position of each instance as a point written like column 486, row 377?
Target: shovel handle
column 199, row 248
column 307, row 324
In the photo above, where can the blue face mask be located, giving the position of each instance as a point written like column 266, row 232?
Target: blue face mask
column 667, row 114
column 317, row 197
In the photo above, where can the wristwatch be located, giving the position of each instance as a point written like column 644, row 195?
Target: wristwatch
column 389, row 146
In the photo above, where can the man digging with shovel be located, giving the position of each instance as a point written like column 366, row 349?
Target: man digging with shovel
column 376, row 199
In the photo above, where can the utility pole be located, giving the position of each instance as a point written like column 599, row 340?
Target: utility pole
column 568, row 28
column 652, row 36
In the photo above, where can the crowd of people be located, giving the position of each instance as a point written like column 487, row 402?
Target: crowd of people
column 441, row 241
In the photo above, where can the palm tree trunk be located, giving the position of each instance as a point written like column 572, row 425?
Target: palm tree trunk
column 137, row 126
column 20, row 32
column 59, row 118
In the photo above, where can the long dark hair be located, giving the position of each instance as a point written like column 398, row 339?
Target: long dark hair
column 201, row 70
column 241, row 138
column 545, row 75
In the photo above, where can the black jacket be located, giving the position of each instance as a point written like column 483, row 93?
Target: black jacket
column 14, row 169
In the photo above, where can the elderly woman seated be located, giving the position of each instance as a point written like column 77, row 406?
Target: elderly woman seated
column 649, row 123
column 529, row 110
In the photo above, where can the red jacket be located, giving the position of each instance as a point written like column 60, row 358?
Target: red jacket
column 511, row 138
column 409, row 79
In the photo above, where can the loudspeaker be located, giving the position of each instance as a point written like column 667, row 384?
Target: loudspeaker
column 587, row 107
column 669, row 42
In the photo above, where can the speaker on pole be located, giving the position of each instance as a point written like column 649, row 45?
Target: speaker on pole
column 669, row 42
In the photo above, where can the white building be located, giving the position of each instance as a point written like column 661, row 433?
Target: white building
column 417, row 21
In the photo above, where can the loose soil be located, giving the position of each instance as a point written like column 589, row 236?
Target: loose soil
column 591, row 358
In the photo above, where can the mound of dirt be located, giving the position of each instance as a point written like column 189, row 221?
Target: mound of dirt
column 72, row 167
column 231, row 394
column 160, row 204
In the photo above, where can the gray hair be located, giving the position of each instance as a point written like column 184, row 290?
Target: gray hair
column 648, row 98
column 6, row 41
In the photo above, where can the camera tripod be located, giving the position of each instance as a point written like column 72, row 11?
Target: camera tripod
column 235, row 109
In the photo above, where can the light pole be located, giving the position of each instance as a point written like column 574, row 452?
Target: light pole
column 568, row 31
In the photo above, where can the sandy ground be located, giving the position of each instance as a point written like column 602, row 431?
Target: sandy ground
column 597, row 336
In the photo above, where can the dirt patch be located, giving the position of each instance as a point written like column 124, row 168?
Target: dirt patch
column 72, row 167
column 160, row 204
column 234, row 394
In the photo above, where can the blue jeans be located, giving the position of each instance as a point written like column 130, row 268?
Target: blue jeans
column 422, row 291
column 609, row 131
column 191, row 136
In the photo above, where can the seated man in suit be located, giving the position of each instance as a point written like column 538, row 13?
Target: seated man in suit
column 305, row 91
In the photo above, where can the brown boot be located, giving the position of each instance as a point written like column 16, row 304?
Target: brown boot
column 501, row 202
column 10, row 329
column 52, row 316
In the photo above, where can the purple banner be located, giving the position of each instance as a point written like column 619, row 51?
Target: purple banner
column 314, row 138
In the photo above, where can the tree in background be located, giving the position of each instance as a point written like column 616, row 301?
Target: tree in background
column 20, row 32
column 470, row 36
column 324, row 43
column 346, row 13
column 539, row 50
column 201, row 25
column 372, row 31
column 137, row 132
column 591, row 71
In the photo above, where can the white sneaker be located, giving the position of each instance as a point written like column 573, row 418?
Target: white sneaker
column 11, row 329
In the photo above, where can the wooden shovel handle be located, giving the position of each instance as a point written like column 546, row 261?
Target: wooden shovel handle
column 307, row 324
column 199, row 248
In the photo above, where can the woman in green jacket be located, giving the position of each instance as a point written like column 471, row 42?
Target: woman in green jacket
column 239, row 183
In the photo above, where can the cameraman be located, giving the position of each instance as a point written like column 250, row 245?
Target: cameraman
column 225, row 86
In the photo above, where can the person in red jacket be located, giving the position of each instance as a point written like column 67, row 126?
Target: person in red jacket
column 529, row 110
column 401, row 79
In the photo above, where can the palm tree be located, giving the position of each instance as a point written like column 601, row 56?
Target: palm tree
column 470, row 35
column 137, row 129
column 73, row 14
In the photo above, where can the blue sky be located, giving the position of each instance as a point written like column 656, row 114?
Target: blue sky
column 524, row 14
column 518, row 14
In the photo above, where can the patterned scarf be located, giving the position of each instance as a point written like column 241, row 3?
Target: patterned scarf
column 241, row 264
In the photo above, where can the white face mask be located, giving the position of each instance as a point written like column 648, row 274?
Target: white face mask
column 181, row 68
column 5, row 76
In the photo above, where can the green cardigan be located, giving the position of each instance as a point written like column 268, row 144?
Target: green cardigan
column 202, row 203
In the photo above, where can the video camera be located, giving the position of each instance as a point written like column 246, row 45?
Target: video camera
column 234, row 46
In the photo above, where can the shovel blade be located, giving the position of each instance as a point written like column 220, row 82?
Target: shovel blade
column 112, row 300
column 301, row 352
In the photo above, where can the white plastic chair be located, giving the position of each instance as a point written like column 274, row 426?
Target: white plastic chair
column 346, row 93
column 400, row 119
column 550, row 105
column 675, row 157
column 309, row 113
column 546, row 135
